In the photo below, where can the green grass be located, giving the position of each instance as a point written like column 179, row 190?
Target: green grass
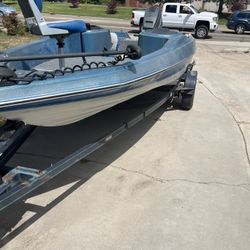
column 7, row 41
column 222, row 21
column 84, row 10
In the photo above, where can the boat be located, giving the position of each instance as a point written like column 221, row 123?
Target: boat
column 66, row 77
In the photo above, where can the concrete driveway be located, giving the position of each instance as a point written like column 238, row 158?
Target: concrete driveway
column 179, row 180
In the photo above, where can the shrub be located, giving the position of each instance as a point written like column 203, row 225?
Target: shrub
column 111, row 7
column 13, row 25
column 238, row 5
column 74, row 3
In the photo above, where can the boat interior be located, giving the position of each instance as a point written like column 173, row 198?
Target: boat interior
column 96, row 40
column 76, row 36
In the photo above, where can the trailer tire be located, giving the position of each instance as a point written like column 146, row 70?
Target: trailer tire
column 187, row 97
column 187, row 102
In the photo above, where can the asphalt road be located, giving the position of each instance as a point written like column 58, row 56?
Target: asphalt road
column 225, row 35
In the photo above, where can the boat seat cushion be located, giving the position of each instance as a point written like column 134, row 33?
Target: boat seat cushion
column 75, row 26
column 96, row 40
column 155, row 42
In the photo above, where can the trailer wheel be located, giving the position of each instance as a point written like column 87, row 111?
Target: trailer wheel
column 187, row 102
column 187, row 96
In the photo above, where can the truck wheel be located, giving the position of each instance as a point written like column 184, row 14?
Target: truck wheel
column 240, row 29
column 187, row 97
column 201, row 32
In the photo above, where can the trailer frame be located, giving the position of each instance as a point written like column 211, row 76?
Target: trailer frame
column 19, row 181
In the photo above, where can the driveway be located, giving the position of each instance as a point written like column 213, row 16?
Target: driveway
column 179, row 180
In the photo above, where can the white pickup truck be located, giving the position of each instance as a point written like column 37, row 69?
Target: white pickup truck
column 182, row 16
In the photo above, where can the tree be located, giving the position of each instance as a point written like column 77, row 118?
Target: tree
column 74, row 3
column 239, row 5
column 111, row 7
column 232, row 4
column 221, row 3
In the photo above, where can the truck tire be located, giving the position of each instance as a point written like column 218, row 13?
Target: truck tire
column 240, row 29
column 201, row 31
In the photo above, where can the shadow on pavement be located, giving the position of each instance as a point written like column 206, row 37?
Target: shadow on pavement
column 48, row 145
column 233, row 33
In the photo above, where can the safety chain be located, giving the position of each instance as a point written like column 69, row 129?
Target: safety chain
column 36, row 75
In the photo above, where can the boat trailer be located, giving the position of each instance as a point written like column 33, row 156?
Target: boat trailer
column 17, row 182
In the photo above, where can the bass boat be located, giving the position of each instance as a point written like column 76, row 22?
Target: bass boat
column 74, row 71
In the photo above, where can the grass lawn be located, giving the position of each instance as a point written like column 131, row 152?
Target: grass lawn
column 83, row 10
column 12, row 41
column 222, row 21
column 91, row 10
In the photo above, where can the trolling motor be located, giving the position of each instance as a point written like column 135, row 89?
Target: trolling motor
column 6, row 74
column 152, row 18
column 133, row 52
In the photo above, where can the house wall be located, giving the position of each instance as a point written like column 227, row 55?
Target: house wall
column 248, row 4
column 135, row 4
column 208, row 6
column 199, row 4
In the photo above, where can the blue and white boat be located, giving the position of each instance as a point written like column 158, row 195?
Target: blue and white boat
column 47, row 91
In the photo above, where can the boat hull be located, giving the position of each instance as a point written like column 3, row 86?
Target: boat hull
column 61, row 101
column 74, row 108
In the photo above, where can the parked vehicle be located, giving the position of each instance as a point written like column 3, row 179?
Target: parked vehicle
column 184, row 17
column 5, row 10
column 239, row 21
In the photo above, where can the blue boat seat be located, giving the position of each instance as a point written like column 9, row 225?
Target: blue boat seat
column 37, row 25
column 96, row 40
column 156, row 42
column 75, row 26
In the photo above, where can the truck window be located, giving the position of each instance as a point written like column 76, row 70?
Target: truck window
column 185, row 10
column 242, row 15
column 171, row 8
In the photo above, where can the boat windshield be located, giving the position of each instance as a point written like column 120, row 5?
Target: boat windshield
column 194, row 9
